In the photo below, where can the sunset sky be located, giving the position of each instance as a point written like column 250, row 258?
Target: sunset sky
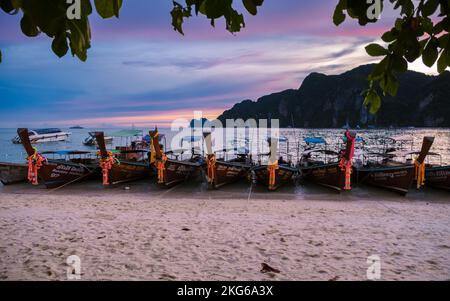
column 139, row 71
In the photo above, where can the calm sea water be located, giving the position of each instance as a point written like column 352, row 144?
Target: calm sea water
column 10, row 152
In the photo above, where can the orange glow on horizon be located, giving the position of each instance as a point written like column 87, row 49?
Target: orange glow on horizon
column 150, row 119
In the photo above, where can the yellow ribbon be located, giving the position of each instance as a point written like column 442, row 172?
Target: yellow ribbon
column 211, row 168
column 420, row 173
column 152, row 151
column 272, row 168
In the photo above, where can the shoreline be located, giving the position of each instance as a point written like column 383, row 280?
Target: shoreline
column 148, row 234
column 195, row 189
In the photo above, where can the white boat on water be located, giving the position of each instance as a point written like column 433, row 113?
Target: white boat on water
column 45, row 135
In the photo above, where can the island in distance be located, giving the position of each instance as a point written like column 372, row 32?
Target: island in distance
column 335, row 101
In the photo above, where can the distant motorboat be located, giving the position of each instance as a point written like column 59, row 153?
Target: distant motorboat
column 91, row 141
column 77, row 127
column 44, row 135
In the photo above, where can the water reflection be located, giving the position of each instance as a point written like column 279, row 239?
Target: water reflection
column 409, row 139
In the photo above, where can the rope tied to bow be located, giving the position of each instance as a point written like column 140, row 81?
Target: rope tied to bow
column 35, row 162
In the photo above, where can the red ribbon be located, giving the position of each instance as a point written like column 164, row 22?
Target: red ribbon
column 35, row 163
column 346, row 162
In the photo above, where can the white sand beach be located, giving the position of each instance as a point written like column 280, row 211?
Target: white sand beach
column 161, row 235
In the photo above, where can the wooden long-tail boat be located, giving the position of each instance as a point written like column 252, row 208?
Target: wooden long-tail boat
column 329, row 168
column 436, row 175
column 56, row 173
column 123, row 164
column 221, row 171
column 171, row 168
column 13, row 173
column 392, row 175
column 277, row 172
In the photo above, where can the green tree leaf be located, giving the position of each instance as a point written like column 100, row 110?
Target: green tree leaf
column 373, row 100
column 250, row 5
column 28, row 27
column 6, row 6
column 389, row 36
column 430, row 7
column 108, row 8
column 380, row 69
column 338, row 15
column 60, row 45
column 431, row 53
column 376, row 50
column 392, row 84
column 399, row 64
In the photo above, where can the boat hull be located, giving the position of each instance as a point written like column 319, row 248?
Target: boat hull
column 54, row 138
column 54, row 173
column 128, row 172
column 329, row 175
column 438, row 177
column 176, row 172
column 397, row 178
column 283, row 175
column 228, row 173
column 45, row 138
column 12, row 173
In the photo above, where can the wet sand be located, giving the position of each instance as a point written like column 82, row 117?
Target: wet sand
column 189, row 233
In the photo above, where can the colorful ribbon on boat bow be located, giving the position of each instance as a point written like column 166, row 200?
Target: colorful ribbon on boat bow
column 211, row 168
column 272, row 168
column 106, row 165
column 34, row 164
column 346, row 162
column 420, row 173
column 346, row 166
column 152, row 148
column 161, row 167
